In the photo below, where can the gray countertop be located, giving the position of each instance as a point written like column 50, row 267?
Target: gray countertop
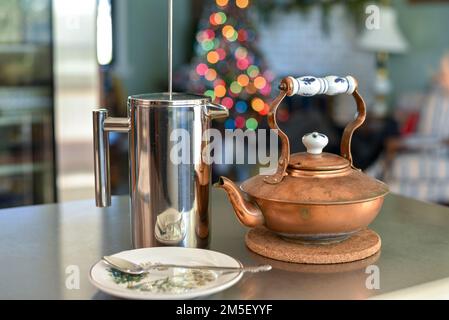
column 39, row 244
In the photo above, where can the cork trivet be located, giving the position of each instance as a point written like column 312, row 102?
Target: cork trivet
column 361, row 245
column 317, row 268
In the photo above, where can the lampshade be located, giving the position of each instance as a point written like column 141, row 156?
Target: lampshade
column 387, row 38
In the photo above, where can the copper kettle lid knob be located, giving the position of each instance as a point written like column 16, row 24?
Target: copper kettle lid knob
column 315, row 142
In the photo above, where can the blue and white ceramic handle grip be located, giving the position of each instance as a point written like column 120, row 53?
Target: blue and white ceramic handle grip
column 309, row 86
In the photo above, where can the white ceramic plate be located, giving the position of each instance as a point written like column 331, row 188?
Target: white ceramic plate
column 167, row 284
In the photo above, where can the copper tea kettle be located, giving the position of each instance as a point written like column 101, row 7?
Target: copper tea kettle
column 313, row 196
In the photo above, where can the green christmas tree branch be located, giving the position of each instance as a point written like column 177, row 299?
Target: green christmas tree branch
column 355, row 8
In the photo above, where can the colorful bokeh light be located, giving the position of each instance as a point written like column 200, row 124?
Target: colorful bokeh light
column 242, row 35
column 240, row 122
column 243, row 80
column 242, row 64
column 252, row 124
column 222, row 3
column 266, row 91
column 221, row 18
column 241, row 53
column 242, row 4
column 257, row 104
column 219, row 82
column 201, row 69
column 210, row 93
column 241, row 107
column 227, row 102
column 218, row 18
column 221, row 53
column 220, row 91
column 260, row 82
column 213, row 57
column 235, row 87
column 253, row 71
column 265, row 110
column 207, row 45
column 229, row 124
column 211, row 75
column 229, row 33
column 207, row 34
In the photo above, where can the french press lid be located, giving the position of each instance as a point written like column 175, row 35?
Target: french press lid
column 176, row 99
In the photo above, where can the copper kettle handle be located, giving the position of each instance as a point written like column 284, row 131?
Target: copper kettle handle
column 310, row 86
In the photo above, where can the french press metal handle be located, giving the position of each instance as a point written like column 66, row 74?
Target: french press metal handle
column 102, row 126
column 309, row 86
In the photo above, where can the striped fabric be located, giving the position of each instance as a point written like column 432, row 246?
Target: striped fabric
column 423, row 174
column 434, row 116
column 420, row 166
column 425, row 190
column 420, row 176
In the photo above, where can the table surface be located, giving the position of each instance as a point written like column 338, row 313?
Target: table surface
column 39, row 244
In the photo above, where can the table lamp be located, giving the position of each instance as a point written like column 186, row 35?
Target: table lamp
column 384, row 40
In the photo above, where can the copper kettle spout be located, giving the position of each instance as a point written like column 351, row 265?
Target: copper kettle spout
column 247, row 212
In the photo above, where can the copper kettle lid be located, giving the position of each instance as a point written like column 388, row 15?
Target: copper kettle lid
column 316, row 177
column 314, row 159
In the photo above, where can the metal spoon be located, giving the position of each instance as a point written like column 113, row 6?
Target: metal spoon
column 128, row 267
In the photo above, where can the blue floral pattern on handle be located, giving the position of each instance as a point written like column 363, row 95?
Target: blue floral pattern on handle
column 308, row 81
column 340, row 80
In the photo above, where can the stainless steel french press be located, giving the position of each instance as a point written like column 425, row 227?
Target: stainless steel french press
column 169, row 199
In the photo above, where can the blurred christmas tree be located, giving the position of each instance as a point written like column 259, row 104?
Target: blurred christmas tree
column 228, row 67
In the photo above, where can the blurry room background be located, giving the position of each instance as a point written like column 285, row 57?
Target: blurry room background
column 59, row 59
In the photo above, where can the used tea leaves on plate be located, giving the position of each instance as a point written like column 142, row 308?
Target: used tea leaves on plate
column 179, row 281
